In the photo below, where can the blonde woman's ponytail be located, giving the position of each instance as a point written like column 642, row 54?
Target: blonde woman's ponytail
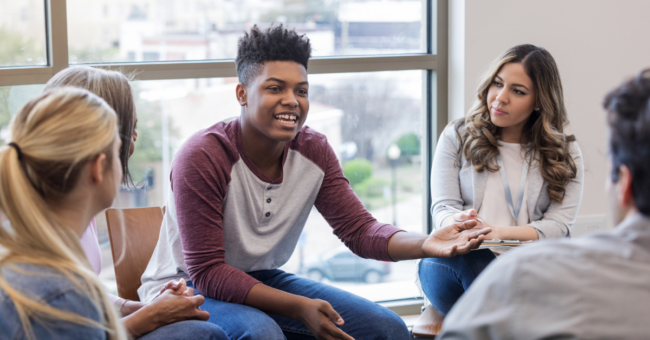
column 53, row 137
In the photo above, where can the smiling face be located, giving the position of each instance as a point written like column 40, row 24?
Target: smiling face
column 276, row 101
column 511, row 97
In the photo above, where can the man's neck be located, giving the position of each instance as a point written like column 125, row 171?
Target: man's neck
column 631, row 212
column 263, row 151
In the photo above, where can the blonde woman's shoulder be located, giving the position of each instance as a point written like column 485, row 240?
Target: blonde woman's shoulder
column 47, row 286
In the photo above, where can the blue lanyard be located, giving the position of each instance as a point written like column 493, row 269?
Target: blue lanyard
column 506, row 186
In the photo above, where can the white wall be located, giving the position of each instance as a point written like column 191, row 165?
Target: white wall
column 597, row 44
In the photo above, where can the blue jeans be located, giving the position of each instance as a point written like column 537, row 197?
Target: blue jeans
column 445, row 280
column 190, row 330
column 363, row 319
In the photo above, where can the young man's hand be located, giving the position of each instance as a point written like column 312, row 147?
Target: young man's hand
column 455, row 239
column 322, row 320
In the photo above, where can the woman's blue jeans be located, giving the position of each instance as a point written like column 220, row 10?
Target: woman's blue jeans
column 363, row 319
column 445, row 280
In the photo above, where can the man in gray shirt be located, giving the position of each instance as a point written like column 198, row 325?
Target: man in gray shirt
column 595, row 287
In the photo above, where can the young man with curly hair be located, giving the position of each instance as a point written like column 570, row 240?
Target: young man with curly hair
column 241, row 193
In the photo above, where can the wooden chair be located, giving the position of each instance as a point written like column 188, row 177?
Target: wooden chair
column 142, row 227
column 429, row 323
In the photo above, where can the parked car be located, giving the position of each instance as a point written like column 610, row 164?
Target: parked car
column 340, row 264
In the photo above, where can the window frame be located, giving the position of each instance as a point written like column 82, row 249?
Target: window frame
column 435, row 89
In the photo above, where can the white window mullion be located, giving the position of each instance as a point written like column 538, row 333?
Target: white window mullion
column 57, row 35
column 217, row 69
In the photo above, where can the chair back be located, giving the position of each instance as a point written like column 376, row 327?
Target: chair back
column 141, row 230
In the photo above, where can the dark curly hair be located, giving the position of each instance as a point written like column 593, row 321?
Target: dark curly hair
column 628, row 116
column 276, row 43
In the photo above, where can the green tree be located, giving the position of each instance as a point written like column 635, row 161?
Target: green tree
column 357, row 170
column 409, row 144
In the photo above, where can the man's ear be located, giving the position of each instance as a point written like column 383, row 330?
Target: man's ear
column 97, row 167
column 624, row 187
column 242, row 94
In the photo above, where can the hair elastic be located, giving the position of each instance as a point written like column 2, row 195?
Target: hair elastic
column 15, row 146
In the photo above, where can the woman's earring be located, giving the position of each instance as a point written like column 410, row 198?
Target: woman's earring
column 537, row 109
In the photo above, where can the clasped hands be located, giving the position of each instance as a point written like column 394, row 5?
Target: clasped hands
column 177, row 302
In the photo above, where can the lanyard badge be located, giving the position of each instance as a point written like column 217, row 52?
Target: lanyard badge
column 506, row 186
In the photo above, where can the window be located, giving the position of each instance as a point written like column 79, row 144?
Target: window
column 22, row 33
column 204, row 30
column 378, row 68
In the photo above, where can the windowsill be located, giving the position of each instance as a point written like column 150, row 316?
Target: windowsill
column 410, row 320
column 406, row 307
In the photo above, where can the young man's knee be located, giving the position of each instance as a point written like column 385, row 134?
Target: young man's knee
column 388, row 325
column 382, row 323
column 262, row 330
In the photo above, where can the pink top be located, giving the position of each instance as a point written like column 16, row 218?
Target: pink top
column 90, row 243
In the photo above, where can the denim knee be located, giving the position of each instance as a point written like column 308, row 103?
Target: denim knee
column 262, row 328
column 189, row 329
column 388, row 325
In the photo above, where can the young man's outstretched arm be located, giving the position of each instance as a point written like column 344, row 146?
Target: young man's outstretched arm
column 367, row 237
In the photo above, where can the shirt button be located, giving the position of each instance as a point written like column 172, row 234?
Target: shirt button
column 269, row 188
column 268, row 200
column 268, row 214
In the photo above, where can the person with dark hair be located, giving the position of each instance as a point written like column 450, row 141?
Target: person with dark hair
column 594, row 287
column 241, row 193
column 509, row 164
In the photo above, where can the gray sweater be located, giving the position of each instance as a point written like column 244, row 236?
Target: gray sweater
column 593, row 287
column 463, row 188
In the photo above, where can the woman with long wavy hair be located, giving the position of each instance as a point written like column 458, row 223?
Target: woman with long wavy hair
column 508, row 164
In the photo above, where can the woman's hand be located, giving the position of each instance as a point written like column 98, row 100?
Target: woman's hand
column 321, row 320
column 172, row 306
column 466, row 215
column 169, row 307
column 129, row 307
column 179, row 287
column 494, row 234
column 456, row 239
column 471, row 214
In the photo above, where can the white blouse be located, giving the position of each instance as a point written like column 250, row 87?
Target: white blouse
column 494, row 209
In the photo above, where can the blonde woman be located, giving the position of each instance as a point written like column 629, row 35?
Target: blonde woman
column 169, row 316
column 51, row 185
column 509, row 164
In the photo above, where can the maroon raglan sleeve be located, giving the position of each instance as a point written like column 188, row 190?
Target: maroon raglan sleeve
column 200, row 177
column 341, row 207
